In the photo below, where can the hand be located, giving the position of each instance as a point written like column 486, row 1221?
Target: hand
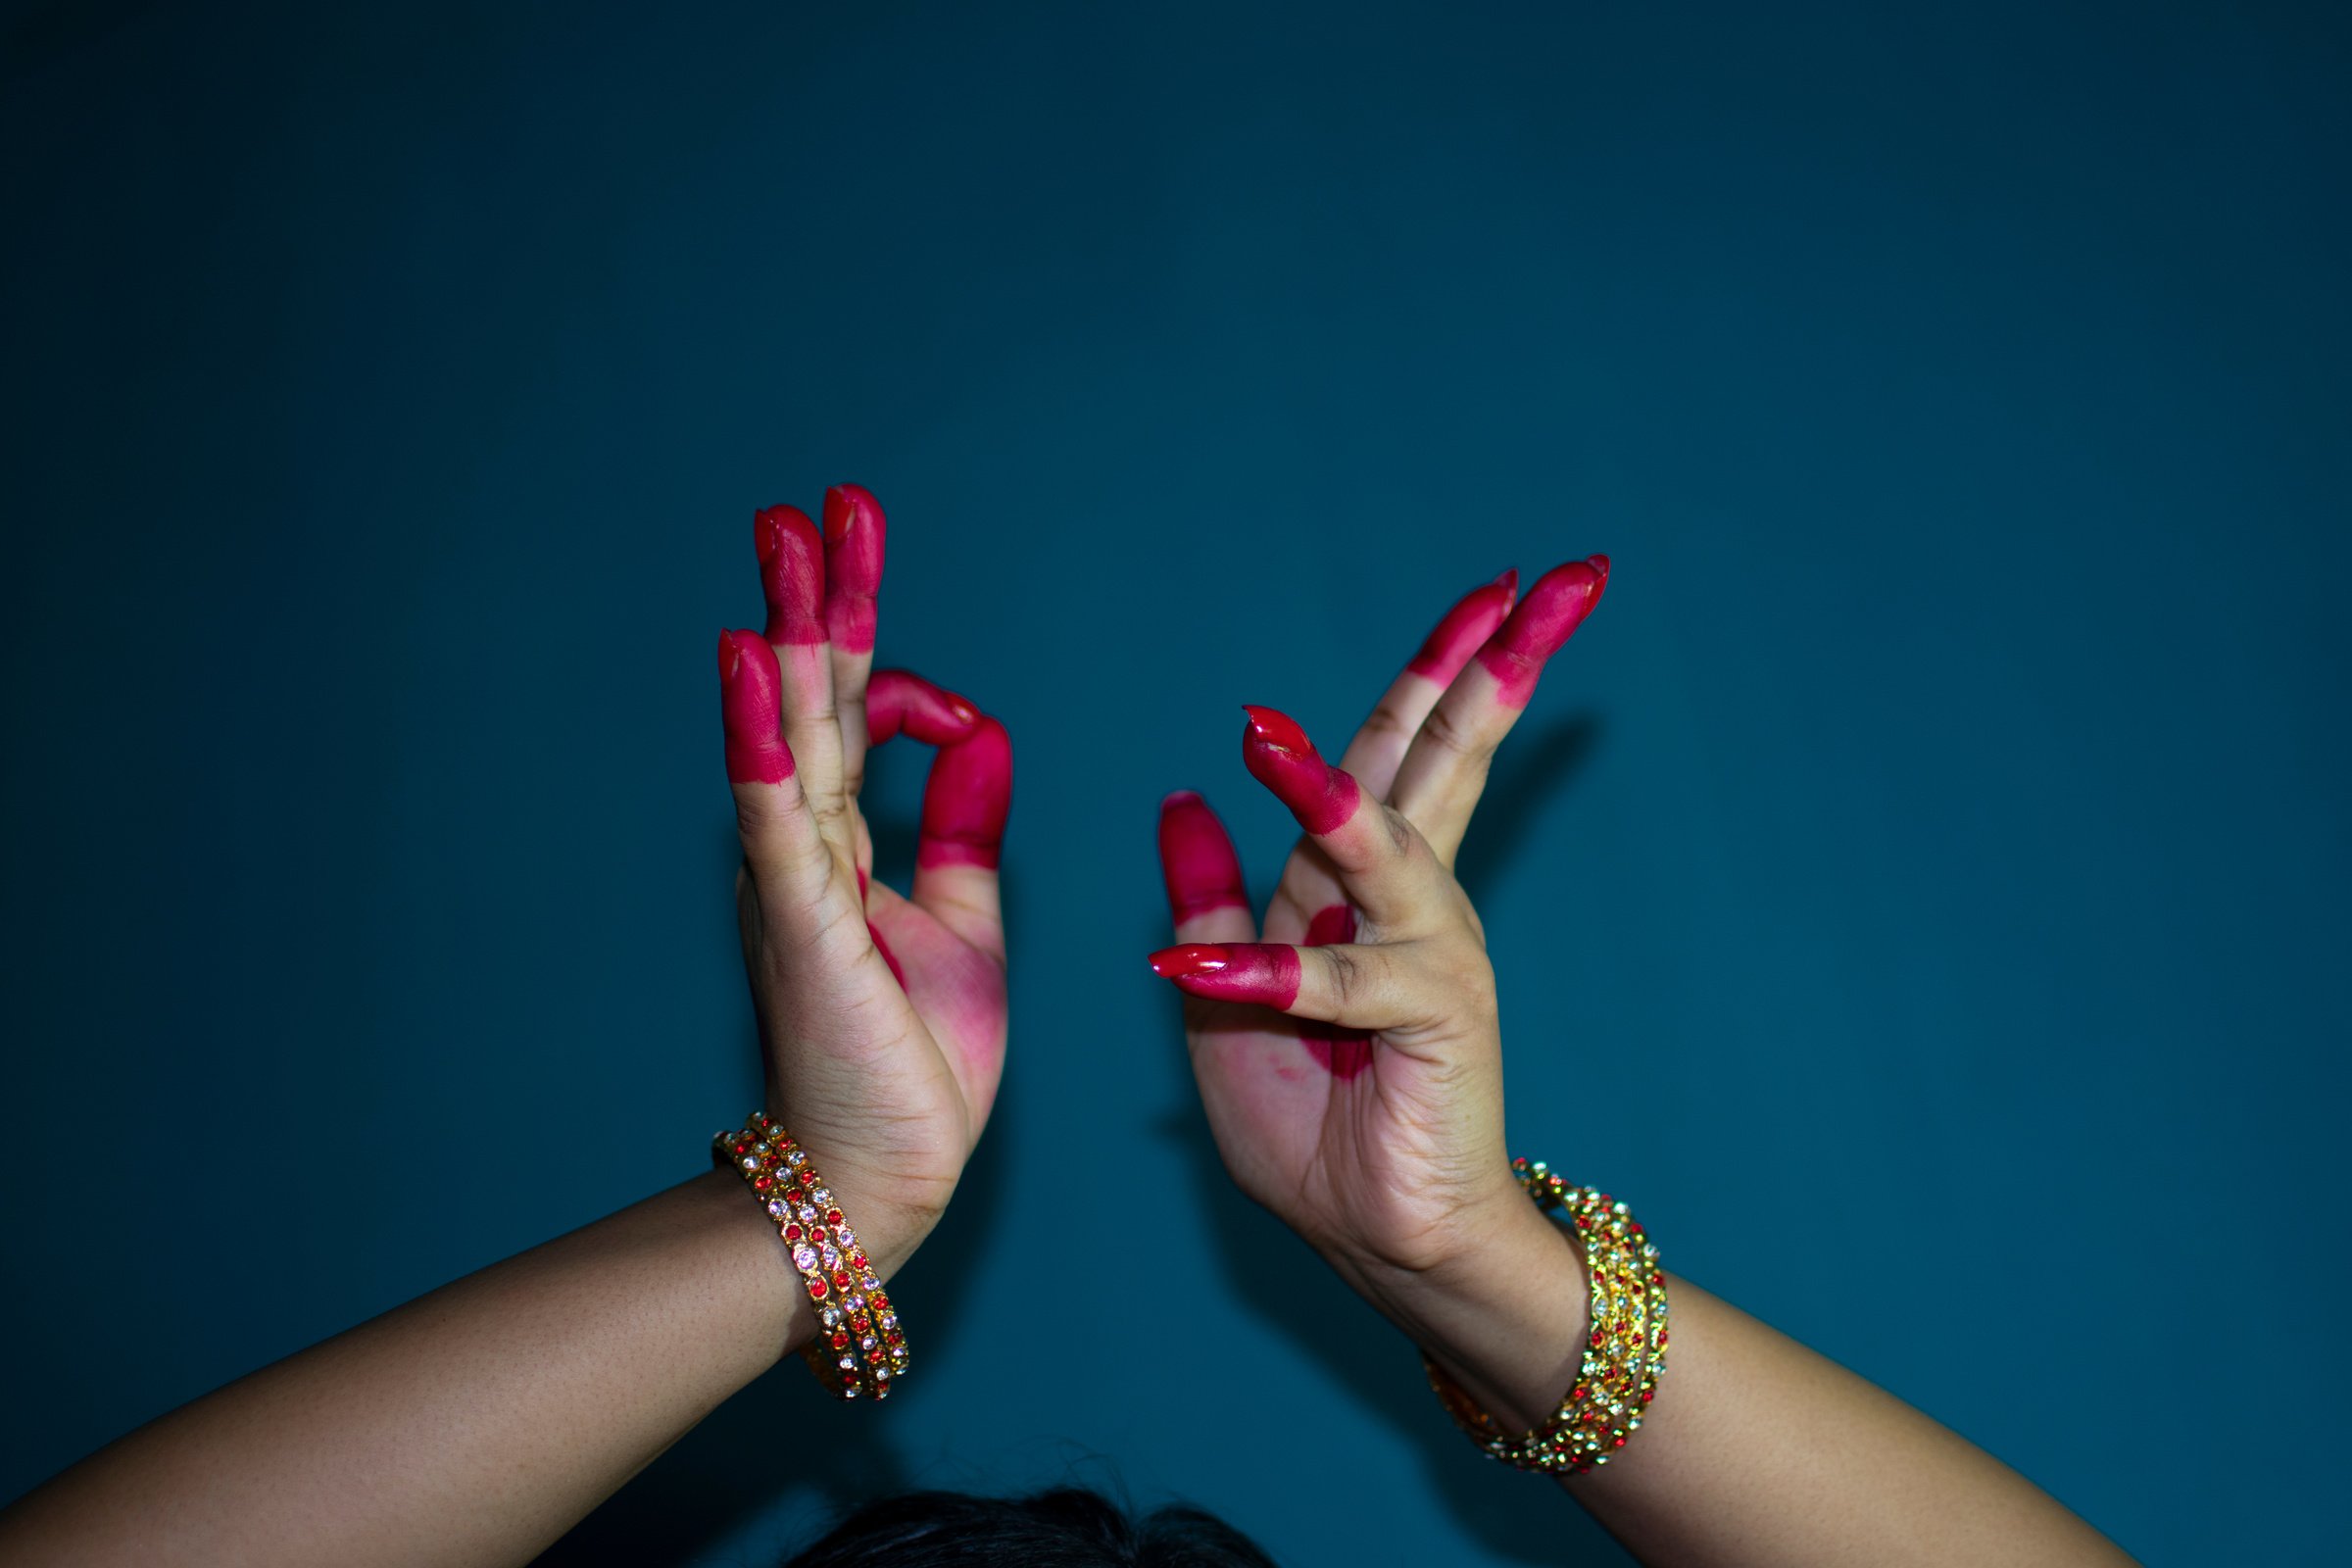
column 1352, row 1063
column 882, row 1018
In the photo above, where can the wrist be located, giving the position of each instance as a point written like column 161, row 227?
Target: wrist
column 1507, row 1316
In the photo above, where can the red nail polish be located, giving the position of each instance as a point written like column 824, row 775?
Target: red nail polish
column 1510, row 586
column 1196, row 859
column 750, row 708
column 1546, row 618
column 1279, row 755
column 966, row 800
column 900, row 699
column 1263, row 973
column 791, row 575
column 1192, row 958
column 854, row 537
column 1469, row 623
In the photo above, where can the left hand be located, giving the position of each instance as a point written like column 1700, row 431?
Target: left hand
column 882, row 1016
column 1352, row 1062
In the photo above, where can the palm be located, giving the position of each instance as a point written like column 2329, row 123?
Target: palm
column 1351, row 1134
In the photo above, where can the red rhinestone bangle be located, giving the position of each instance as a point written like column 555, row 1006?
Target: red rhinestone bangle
column 858, row 1347
column 1625, row 1349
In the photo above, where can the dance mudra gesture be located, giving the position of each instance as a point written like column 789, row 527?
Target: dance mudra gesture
column 1349, row 1053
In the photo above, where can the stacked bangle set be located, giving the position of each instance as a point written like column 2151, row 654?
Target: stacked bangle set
column 1625, row 1351
column 857, row 1348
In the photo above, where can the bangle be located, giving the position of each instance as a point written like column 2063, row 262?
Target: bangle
column 1625, row 1350
column 858, row 1346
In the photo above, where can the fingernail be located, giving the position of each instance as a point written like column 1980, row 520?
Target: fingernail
column 1546, row 618
column 967, row 799
column 1271, row 726
column 791, row 575
column 1469, row 623
column 749, row 709
column 1279, row 755
column 1196, row 859
column 854, row 537
column 1265, row 974
column 1194, row 957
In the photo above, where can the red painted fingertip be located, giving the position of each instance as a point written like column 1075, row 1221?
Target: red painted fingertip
column 1190, row 958
column 854, row 535
column 751, row 708
column 791, row 575
column 1279, row 755
column 966, row 800
column 1196, row 859
column 1259, row 973
column 1546, row 618
column 900, row 700
column 1470, row 623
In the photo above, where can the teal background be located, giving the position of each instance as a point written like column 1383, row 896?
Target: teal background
column 1922, row 887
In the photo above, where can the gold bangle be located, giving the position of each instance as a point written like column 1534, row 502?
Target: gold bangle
column 858, row 1346
column 1625, row 1347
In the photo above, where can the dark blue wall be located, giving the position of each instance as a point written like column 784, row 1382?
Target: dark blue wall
column 1922, row 887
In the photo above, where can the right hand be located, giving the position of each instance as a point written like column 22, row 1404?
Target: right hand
column 1352, row 1063
column 882, row 1018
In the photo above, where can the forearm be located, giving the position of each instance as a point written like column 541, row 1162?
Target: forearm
column 1757, row 1451
column 471, row 1426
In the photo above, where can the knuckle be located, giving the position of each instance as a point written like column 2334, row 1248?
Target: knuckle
column 1346, row 975
column 1449, row 731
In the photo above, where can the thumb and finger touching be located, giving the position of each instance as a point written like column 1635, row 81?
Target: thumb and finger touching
column 1427, row 748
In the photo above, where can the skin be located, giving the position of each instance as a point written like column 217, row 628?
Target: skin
column 478, row 1423
column 1757, row 1451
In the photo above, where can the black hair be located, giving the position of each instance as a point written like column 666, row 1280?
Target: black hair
column 1067, row 1527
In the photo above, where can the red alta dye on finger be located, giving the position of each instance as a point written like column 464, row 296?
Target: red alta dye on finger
column 1196, row 859
column 1344, row 1053
column 1279, row 755
column 900, row 699
column 750, row 707
column 1552, row 610
column 966, row 800
column 1247, row 971
column 1470, row 623
column 853, row 531
column 888, row 957
column 791, row 575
